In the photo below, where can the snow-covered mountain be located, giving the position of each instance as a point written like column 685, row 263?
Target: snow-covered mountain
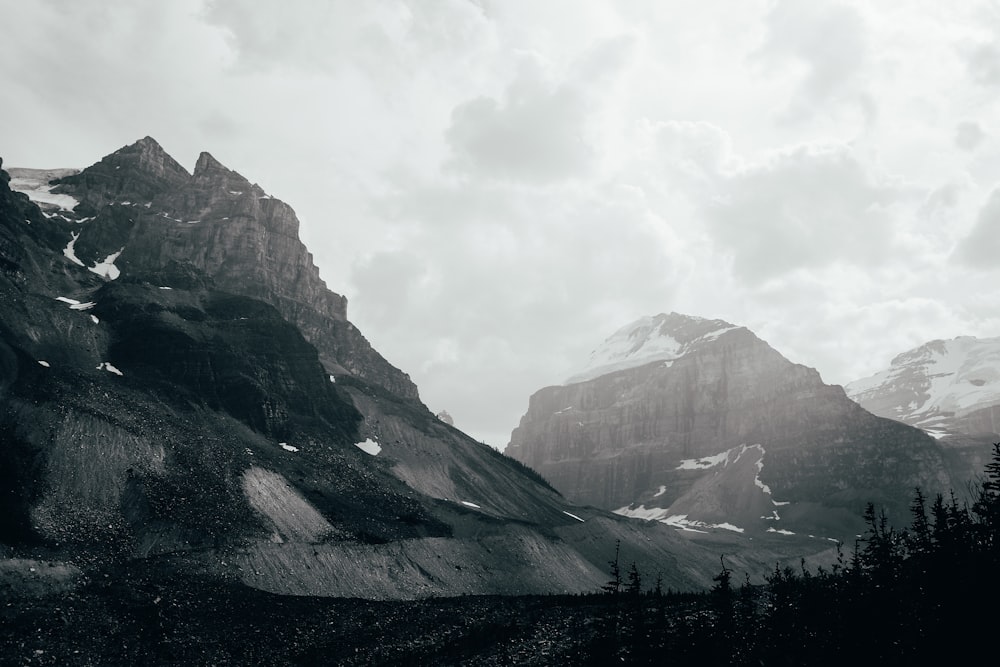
column 946, row 387
column 662, row 337
column 698, row 423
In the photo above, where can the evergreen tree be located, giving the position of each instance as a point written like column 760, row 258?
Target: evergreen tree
column 614, row 585
column 634, row 581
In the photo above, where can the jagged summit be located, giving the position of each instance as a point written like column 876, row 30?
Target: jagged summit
column 139, row 211
column 662, row 337
column 139, row 171
column 936, row 386
column 206, row 163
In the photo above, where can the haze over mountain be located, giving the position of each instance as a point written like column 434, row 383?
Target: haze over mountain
column 699, row 423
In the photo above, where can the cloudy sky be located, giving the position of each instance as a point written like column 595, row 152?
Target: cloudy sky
column 498, row 185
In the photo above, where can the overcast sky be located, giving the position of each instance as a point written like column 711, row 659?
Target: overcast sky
column 497, row 186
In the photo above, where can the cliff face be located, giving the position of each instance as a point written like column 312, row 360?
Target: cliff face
column 649, row 436
column 142, row 204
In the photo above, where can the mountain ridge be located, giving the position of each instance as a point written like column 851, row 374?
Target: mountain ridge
column 620, row 440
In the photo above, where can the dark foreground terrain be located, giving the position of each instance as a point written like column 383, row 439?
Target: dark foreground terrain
column 133, row 618
column 913, row 596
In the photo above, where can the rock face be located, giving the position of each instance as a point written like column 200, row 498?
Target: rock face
column 177, row 382
column 151, row 211
column 694, row 421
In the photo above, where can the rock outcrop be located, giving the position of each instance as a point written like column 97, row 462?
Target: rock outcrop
column 672, row 405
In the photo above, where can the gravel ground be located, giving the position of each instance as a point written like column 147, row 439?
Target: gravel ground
column 142, row 618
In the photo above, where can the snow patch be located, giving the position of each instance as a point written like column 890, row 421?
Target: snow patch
column 369, row 446
column 66, row 299
column 680, row 521
column 83, row 306
column 42, row 194
column 69, row 252
column 704, row 462
column 106, row 366
column 287, row 447
column 780, row 531
column 43, row 363
column 659, row 493
column 728, row 526
column 164, row 287
column 107, row 268
column 570, row 514
column 93, row 318
column 473, row 505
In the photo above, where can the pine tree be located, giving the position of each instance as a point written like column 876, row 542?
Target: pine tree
column 634, row 581
column 614, row 585
column 920, row 530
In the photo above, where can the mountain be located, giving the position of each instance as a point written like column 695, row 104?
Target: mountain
column 180, row 390
column 700, row 424
column 948, row 388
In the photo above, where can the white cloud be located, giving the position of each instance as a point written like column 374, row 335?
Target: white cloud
column 540, row 129
column 969, row 135
column 497, row 186
column 981, row 248
column 828, row 42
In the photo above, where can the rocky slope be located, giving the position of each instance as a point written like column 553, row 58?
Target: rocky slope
column 699, row 423
column 178, row 385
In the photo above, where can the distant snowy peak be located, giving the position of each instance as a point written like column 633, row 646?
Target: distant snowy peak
column 662, row 337
column 935, row 383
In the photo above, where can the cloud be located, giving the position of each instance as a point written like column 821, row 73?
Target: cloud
column 536, row 133
column 383, row 38
column 539, row 130
column 981, row 248
column 801, row 207
column 983, row 64
column 829, row 42
column 969, row 135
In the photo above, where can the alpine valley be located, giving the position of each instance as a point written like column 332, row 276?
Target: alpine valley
column 203, row 461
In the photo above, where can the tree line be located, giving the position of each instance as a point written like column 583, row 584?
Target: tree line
column 913, row 596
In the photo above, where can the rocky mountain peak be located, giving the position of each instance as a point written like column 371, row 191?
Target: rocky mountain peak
column 668, row 397
column 207, row 164
column 137, row 172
